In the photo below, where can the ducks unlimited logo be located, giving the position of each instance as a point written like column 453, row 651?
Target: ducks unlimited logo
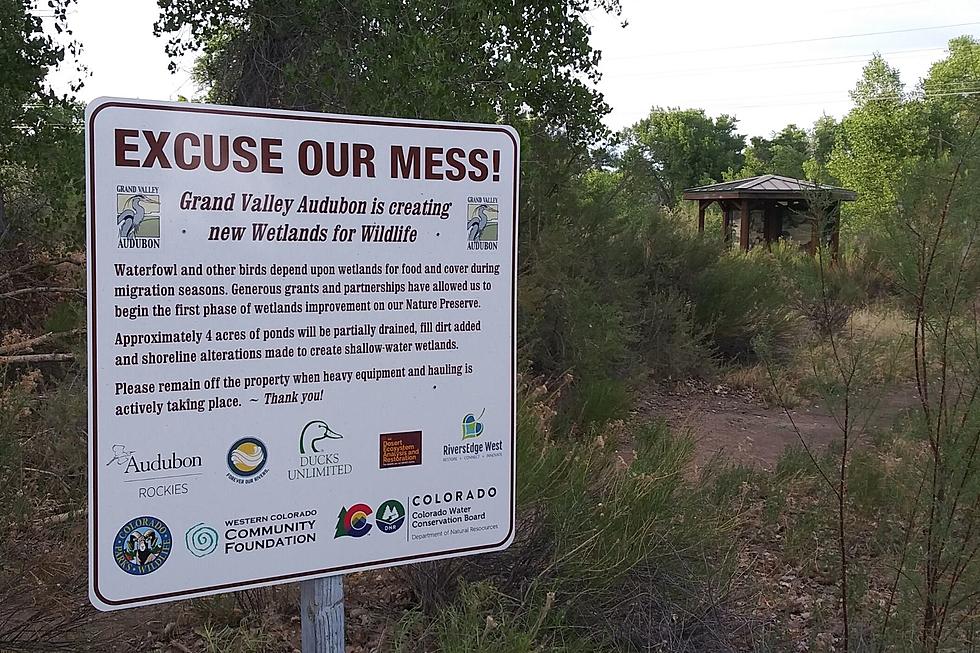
column 138, row 216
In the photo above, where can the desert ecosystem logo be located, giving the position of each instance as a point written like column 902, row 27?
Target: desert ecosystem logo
column 482, row 221
column 138, row 217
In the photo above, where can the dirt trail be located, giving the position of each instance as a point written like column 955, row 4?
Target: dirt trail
column 741, row 427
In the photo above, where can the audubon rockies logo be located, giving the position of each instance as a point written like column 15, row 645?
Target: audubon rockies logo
column 315, row 461
column 148, row 472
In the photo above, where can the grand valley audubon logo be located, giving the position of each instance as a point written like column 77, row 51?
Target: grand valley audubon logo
column 138, row 216
column 316, row 460
column 482, row 222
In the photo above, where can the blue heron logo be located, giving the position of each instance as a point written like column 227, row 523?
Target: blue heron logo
column 481, row 222
column 137, row 215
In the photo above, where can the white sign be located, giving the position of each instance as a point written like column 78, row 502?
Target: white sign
column 301, row 345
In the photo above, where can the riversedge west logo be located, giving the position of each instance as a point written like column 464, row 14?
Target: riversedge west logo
column 315, row 461
column 473, row 445
column 142, row 545
column 482, row 222
column 138, row 217
column 247, row 459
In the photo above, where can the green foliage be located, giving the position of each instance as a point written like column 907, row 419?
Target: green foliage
column 877, row 146
column 41, row 143
column 783, row 154
column 744, row 303
column 674, row 149
column 606, row 557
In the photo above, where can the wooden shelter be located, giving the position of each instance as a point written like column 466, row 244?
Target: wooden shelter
column 767, row 208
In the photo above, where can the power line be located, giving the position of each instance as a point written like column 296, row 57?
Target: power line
column 795, row 41
column 818, row 61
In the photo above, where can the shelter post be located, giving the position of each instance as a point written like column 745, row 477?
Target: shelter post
column 743, row 229
column 702, row 205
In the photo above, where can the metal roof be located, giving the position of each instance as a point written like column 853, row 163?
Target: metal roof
column 766, row 186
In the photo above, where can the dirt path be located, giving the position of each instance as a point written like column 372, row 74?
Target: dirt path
column 741, row 427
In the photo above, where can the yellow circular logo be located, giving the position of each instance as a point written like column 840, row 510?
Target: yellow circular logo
column 247, row 457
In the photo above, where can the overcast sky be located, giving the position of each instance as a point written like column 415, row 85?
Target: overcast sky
column 768, row 62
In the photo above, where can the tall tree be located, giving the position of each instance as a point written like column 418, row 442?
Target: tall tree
column 783, row 154
column 952, row 93
column 823, row 138
column 526, row 64
column 673, row 149
column 879, row 142
column 40, row 132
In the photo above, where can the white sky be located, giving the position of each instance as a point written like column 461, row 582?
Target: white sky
column 711, row 54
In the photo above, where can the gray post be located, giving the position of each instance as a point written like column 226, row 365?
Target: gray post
column 322, row 608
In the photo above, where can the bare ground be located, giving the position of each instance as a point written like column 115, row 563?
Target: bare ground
column 740, row 426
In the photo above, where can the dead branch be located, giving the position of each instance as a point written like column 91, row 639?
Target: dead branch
column 40, row 290
column 28, row 344
column 23, row 359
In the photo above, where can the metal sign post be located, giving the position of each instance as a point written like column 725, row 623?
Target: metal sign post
column 322, row 608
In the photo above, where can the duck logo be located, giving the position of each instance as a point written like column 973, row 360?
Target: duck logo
column 354, row 521
column 246, row 460
column 142, row 545
column 313, row 433
column 138, row 219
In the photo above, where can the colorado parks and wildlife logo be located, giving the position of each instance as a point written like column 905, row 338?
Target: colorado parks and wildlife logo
column 247, row 459
column 482, row 220
column 391, row 516
column 142, row 545
column 354, row 521
column 138, row 216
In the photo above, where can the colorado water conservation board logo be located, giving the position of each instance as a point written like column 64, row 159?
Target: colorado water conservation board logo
column 201, row 540
column 142, row 545
column 472, row 426
column 482, row 219
column 391, row 516
column 246, row 460
column 354, row 521
column 138, row 216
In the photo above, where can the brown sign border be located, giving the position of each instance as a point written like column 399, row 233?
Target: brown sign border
column 93, row 362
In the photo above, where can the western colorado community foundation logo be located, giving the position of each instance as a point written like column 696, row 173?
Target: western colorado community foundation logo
column 142, row 545
column 482, row 220
column 138, row 217
column 246, row 460
column 201, row 540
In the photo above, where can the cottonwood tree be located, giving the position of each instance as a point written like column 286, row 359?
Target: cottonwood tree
column 673, row 149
